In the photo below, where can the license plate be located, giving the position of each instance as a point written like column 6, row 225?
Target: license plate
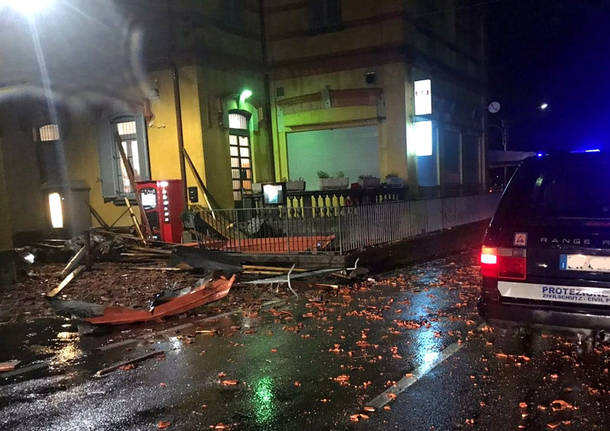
column 582, row 262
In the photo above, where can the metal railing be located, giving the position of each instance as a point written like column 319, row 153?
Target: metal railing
column 268, row 230
column 333, row 229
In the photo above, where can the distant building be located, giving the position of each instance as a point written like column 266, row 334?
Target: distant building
column 255, row 91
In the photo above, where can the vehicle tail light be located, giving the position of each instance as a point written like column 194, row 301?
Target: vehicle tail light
column 504, row 263
column 489, row 262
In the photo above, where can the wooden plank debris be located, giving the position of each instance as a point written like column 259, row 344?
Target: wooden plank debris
column 74, row 261
column 65, row 281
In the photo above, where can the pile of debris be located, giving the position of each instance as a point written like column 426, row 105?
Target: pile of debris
column 162, row 279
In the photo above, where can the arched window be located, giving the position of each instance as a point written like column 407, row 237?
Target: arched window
column 241, row 158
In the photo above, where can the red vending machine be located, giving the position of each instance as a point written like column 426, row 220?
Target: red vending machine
column 163, row 202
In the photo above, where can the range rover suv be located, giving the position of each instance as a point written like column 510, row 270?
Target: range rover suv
column 546, row 254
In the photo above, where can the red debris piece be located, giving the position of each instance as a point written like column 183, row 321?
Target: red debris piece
column 163, row 424
column 206, row 293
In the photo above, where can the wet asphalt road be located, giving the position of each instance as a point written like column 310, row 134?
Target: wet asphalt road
column 314, row 363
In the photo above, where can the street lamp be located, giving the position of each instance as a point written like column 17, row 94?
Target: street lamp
column 27, row 7
column 543, row 106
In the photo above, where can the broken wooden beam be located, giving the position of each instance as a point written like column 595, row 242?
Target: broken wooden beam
column 135, row 221
column 98, row 217
column 132, row 181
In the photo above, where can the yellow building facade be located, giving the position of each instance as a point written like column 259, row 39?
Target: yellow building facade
column 331, row 90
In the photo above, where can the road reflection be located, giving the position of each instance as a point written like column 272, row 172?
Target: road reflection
column 263, row 401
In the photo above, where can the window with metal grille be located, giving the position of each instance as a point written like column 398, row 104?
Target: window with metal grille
column 48, row 132
column 241, row 158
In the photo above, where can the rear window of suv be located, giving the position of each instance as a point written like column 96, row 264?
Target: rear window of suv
column 570, row 187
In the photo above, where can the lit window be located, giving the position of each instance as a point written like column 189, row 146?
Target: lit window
column 49, row 132
column 422, row 134
column 56, row 211
column 239, row 150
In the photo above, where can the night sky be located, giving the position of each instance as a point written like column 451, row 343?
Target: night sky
column 555, row 51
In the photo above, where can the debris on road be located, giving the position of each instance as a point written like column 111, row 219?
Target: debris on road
column 128, row 362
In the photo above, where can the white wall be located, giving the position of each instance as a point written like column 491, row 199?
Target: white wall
column 353, row 151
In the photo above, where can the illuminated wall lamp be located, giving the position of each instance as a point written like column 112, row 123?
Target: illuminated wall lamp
column 56, row 210
column 422, row 135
